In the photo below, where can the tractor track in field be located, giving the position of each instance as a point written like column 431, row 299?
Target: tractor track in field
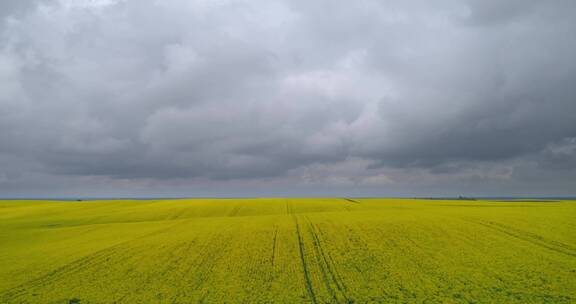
column 272, row 260
column 203, row 265
column 328, row 268
column 174, row 256
column 351, row 200
column 336, row 272
column 96, row 258
column 289, row 207
column 234, row 211
column 171, row 263
column 307, row 281
column 529, row 237
column 178, row 215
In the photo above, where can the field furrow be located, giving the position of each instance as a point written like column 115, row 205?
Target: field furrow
column 332, row 280
column 304, row 263
column 531, row 238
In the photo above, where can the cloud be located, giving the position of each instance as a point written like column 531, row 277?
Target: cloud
column 173, row 93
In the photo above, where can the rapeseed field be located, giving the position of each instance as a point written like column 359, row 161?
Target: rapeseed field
column 333, row 250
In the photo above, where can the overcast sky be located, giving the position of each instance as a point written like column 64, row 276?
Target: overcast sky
column 287, row 98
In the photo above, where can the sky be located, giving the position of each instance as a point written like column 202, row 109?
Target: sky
column 226, row 98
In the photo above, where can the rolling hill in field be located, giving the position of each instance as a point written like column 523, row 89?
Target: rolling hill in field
column 288, row 251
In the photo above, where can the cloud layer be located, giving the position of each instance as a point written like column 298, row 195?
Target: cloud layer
column 287, row 97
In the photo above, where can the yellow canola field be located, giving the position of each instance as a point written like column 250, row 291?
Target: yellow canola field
column 332, row 250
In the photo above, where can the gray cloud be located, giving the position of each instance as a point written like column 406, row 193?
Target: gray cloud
column 16, row 8
column 381, row 98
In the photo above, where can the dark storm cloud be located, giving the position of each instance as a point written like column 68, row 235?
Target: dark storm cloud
column 286, row 94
